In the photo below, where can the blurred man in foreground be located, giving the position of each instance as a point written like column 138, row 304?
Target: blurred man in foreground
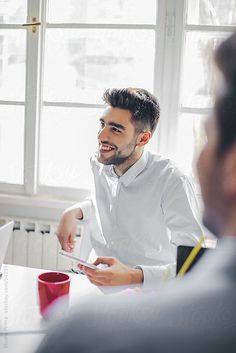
column 196, row 313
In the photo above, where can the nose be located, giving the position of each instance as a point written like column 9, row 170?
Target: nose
column 103, row 134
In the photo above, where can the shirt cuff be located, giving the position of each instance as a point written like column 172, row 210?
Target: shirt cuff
column 155, row 277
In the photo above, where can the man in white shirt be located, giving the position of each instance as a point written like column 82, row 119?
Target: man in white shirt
column 196, row 313
column 142, row 206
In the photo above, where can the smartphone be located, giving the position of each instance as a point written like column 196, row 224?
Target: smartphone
column 75, row 258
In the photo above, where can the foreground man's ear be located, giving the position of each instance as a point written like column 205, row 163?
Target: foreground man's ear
column 229, row 172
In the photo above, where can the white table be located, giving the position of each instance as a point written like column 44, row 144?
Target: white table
column 21, row 326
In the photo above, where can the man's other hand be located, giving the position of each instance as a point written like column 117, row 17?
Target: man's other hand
column 66, row 230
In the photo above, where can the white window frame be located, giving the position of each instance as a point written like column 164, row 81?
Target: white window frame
column 31, row 104
column 201, row 28
column 34, row 66
column 170, row 30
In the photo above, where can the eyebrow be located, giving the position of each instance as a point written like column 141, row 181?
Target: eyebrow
column 119, row 126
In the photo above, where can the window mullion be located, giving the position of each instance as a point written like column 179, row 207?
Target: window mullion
column 158, row 63
column 174, row 32
column 33, row 97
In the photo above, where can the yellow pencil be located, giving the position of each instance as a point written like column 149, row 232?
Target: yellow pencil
column 191, row 257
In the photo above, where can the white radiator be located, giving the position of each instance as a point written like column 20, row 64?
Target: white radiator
column 34, row 244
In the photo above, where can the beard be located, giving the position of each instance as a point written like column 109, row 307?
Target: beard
column 118, row 159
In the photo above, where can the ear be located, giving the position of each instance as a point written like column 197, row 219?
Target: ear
column 143, row 138
column 229, row 172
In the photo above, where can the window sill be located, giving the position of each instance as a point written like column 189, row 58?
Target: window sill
column 15, row 206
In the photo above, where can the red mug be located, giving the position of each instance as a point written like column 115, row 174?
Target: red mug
column 51, row 286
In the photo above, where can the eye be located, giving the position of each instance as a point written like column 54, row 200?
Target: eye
column 102, row 123
column 115, row 129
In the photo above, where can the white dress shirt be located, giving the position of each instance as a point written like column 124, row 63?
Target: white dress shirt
column 140, row 217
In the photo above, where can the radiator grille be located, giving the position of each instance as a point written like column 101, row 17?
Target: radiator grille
column 34, row 244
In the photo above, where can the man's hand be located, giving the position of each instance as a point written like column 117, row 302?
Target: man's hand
column 66, row 230
column 116, row 274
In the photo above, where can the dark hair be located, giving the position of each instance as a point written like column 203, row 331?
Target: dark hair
column 225, row 105
column 143, row 105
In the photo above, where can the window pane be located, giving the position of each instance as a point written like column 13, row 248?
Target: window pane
column 81, row 64
column 211, row 12
column 11, row 144
column 68, row 138
column 12, row 64
column 191, row 127
column 12, row 11
column 105, row 11
column 199, row 72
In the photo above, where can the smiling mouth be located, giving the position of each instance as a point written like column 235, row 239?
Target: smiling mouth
column 106, row 148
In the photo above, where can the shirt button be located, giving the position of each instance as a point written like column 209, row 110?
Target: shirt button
column 112, row 242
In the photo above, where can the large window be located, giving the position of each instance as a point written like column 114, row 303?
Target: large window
column 53, row 75
column 207, row 22
column 89, row 45
column 12, row 90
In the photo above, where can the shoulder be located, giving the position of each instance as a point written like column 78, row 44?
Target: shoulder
column 165, row 169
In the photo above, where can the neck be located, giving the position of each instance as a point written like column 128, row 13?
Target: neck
column 122, row 168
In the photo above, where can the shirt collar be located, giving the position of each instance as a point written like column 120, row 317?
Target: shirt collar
column 135, row 170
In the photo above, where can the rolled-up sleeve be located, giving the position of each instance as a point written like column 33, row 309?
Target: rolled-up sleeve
column 86, row 208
